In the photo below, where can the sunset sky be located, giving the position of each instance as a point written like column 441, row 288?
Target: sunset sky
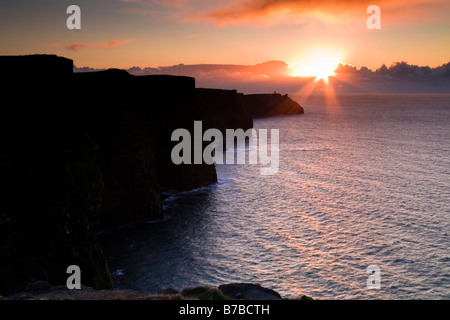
column 126, row 33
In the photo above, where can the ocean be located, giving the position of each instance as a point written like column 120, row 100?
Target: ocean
column 363, row 180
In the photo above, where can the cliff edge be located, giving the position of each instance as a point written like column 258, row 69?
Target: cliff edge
column 268, row 105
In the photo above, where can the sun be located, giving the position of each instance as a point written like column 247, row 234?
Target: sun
column 319, row 65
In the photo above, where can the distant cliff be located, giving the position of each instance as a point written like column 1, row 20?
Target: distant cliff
column 222, row 109
column 85, row 151
column 267, row 105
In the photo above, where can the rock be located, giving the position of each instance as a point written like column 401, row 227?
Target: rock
column 85, row 293
column 203, row 293
column 241, row 291
column 267, row 105
column 248, row 291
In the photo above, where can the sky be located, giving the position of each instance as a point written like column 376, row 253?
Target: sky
column 150, row 33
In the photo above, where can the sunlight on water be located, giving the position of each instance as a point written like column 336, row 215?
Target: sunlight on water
column 363, row 180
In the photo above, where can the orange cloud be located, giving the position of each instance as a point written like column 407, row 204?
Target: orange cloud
column 275, row 11
column 102, row 45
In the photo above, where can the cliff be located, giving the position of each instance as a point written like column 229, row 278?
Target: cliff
column 222, row 109
column 86, row 151
column 170, row 104
column 81, row 152
column 107, row 107
column 267, row 105
column 51, row 182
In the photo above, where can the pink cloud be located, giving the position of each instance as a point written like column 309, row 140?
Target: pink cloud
column 102, row 45
column 276, row 11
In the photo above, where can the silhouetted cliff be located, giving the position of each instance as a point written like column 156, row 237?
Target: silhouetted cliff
column 107, row 107
column 52, row 185
column 81, row 151
column 222, row 109
column 169, row 104
column 267, row 105
column 85, row 151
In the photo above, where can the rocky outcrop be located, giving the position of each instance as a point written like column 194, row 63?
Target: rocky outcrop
column 41, row 290
column 267, row 105
column 248, row 291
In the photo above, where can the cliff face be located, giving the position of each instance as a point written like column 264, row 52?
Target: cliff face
column 51, row 180
column 81, row 152
column 267, row 105
column 107, row 107
column 222, row 109
column 170, row 104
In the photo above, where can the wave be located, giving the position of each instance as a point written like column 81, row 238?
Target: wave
column 172, row 195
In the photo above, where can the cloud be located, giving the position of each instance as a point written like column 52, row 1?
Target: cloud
column 279, row 11
column 269, row 12
column 245, row 78
column 275, row 75
column 270, row 69
column 166, row 3
column 102, row 45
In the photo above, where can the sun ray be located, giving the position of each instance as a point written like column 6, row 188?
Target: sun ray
column 320, row 65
